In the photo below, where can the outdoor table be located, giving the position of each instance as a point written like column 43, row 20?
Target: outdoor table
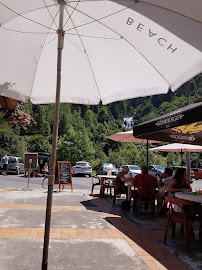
column 194, row 198
column 103, row 179
column 128, row 184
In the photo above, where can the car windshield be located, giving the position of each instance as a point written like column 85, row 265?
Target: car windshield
column 158, row 167
column 12, row 159
column 109, row 165
column 83, row 164
column 133, row 168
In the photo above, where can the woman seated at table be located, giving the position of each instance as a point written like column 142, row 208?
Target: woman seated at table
column 180, row 182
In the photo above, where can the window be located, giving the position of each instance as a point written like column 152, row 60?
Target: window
column 83, row 164
column 12, row 159
column 133, row 168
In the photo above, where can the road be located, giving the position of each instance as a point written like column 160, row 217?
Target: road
column 19, row 181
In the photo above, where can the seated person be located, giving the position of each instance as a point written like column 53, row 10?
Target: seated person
column 180, row 182
column 119, row 182
column 45, row 169
column 166, row 177
column 164, row 181
column 145, row 183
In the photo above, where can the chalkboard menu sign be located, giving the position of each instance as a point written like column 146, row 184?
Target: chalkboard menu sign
column 63, row 174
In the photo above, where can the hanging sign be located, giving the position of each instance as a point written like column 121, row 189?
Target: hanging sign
column 63, row 175
column 30, row 160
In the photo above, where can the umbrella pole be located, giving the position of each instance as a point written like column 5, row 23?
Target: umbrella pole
column 147, row 153
column 188, row 153
column 181, row 157
column 51, row 176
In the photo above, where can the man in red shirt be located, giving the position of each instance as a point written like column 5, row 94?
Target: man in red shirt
column 145, row 183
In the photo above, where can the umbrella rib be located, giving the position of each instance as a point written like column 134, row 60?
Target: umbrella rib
column 98, row 21
column 86, row 55
column 25, row 12
column 40, row 52
column 24, row 32
column 20, row 15
column 50, row 13
column 88, row 36
column 74, row 45
column 71, row 13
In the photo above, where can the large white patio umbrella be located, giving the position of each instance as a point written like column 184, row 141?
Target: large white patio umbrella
column 178, row 147
column 113, row 50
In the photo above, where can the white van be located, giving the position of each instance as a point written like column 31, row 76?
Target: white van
column 15, row 165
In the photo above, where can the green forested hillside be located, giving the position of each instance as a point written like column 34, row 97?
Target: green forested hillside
column 83, row 129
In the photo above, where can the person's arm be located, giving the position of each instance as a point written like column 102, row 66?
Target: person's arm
column 161, row 182
column 188, row 185
column 126, row 179
column 134, row 180
column 155, row 183
column 171, row 189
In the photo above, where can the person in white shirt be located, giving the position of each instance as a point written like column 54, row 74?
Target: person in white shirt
column 166, row 177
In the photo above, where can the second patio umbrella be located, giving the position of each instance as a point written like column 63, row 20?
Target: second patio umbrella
column 178, row 147
column 128, row 137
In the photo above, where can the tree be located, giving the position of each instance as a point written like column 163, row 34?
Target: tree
column 37, row 143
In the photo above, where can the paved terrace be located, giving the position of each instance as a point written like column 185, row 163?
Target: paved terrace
column 86, row 233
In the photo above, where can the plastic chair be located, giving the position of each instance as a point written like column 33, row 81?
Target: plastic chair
column 145, row 200
column 106, row 184
column 179, row 217
column 118, row 192
column 93, row 177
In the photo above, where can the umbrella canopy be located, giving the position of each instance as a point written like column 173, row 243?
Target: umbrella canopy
column 178, row 147
column 128, row 137
column 113, row 50
column 177, row 126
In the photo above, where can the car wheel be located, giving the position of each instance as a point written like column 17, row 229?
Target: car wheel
column 17, row 171
column 158, row 177
column 196, row 178
column 130, row 175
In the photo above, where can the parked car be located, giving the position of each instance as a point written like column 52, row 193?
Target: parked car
column 82, row 168
column 133, row 170
column 102, row 168
column 176, row 167
column 15, row 165
column 197, row 173
column 156, row 171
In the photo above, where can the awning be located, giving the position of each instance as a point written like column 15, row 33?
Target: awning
column 183, row 126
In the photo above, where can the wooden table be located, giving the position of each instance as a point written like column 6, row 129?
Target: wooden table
column 103, row 180
column 197, row 199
